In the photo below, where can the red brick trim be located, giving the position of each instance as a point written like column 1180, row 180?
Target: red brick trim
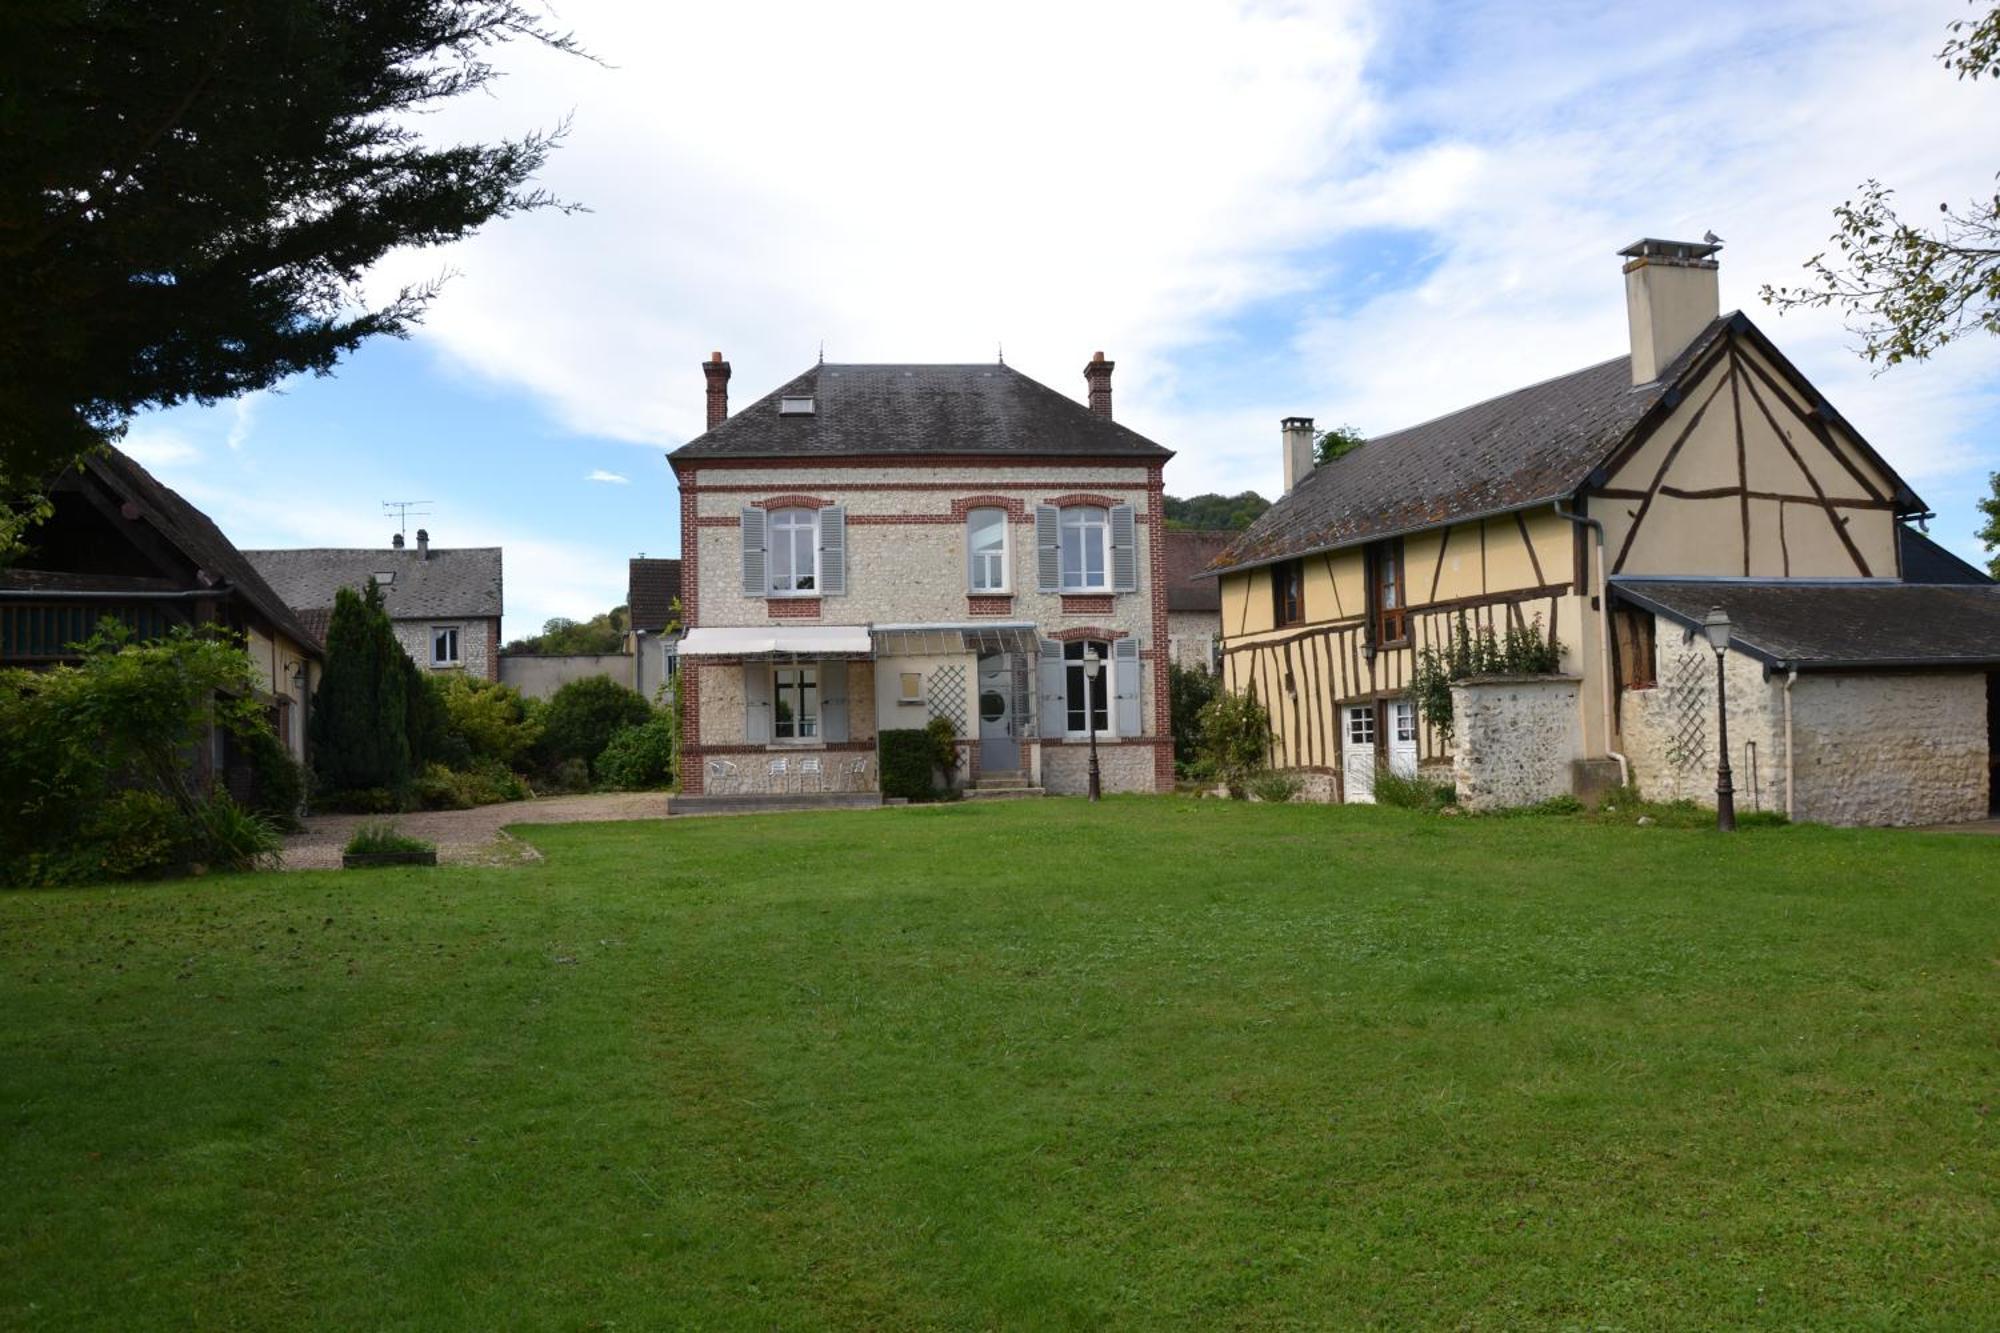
column 924, row 461
column 989, row 606
column 492, row 651
column 885, row 520
column 1086, row 606
column 792, row 608
column 783, row 748
column 712, row 521
column 1074, row 499
column 1017, row 510
column 792, row 502
column 1156, row 551
column 1088, row 632
column 1104, row 741
column 689, row 692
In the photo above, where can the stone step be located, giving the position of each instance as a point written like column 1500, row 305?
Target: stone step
column 983, row 793
column 772, row 803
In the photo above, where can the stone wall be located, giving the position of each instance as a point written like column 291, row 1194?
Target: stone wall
column 1516, row 737
column 540, row 676
column 478, row 644
column 1066, row 767
column 1191, row 637
column 1889, row 748
column 1669, row 734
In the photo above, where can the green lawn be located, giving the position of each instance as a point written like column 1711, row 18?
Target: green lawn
column 1163, row 1062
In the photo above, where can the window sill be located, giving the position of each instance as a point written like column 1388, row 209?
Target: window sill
column 810, row 743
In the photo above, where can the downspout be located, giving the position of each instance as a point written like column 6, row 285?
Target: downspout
column 1596, row 527
column 1791, row 679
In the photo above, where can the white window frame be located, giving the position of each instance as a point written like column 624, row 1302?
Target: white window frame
column 779, row 526
column 1081, row 519
column 1073, row 672
column 457, row 657
column 1403, row 721
column 1361, row 725
column 806, row 724
column 974, row 558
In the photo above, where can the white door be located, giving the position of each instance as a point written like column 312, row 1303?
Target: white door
column 1403, row 738
column 1357, row 755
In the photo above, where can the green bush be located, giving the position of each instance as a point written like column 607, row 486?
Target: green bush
column 361, row 801
column 360, row 718
column 585, row 714
column 483, row 782
column 1188, row 692
column 1523, row 651
column 492, row 720
column 277, row 781
column 909, row 763
column 565, row 777
column 1235, row 737
column 639, row 758
column 1275, row 788
column 380, row 838
column 1412, row 793
column 229, row 837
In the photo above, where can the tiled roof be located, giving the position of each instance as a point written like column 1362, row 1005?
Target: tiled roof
column 1819, row 626
column 197, row 537
column 316, row 619
column 650, row 589
column 461, row 583
column 918, row 409
column 1188, row 553
column 1924, row 561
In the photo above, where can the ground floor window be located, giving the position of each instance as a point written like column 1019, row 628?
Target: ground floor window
column 444, row 645
column 795, row 701
column 1406, row 722
column 1087, row 699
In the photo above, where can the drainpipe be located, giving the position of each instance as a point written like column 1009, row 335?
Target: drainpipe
column 1596, row 527
column 1791, row 679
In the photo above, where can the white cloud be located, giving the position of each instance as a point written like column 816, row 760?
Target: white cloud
column 242, row 420
column 611, row 478
column 159, row 448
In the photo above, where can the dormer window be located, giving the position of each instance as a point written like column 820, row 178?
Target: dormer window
column 790, row 406
column 385, row 577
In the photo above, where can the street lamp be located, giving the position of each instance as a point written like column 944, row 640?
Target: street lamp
column 1092, row 665
column 1715, row 626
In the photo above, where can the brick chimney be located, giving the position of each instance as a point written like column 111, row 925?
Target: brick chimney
column 1297, row 433
column 1098, row 375
column 1670, row 297
column 716, row 371
column 423, row 544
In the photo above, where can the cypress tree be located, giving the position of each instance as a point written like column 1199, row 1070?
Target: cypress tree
column 358, row 724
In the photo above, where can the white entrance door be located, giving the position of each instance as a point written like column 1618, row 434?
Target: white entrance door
column 1403, row 738
column 999, row 750
column 1357, row 755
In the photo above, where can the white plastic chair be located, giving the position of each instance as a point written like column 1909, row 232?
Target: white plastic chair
column 810, row 773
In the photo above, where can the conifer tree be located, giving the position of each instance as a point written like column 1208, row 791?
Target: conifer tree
column 359, row 719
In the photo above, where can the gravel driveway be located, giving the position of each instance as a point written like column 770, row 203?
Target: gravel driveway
column 471, row 837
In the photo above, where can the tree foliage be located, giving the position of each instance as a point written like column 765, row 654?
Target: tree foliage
column 360, row 715
column 495, row 721
column 1216, row 513
column 1908, row 289
column 191, row 194
column 1989, row 532
column 1235, row 738
column 1331, row 444
column 585, row 714
column 602, row 633
column 1188, row 691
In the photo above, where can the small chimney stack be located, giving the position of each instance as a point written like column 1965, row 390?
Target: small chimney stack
column 1297, row 433
column 396, row 541
column 423, row 544
column 1670, row 297
column 716, row 371
column 1098, row 375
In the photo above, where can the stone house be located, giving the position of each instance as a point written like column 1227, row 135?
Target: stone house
column 445, row 604
column 1194, row 602
column 121, row 544
column 1611, row 508
column 652, row 587
column 871, row 547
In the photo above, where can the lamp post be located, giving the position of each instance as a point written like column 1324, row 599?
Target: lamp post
column 1092, row 665
column 1715, row 626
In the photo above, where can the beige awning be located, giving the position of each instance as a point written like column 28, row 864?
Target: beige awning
column 775, row 641
column 976, row 636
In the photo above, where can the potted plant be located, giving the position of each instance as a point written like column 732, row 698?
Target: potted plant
column 380, row 844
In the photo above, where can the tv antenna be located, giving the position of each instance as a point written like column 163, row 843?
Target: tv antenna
column 400, row 510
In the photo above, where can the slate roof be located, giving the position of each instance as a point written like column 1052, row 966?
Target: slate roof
column 918, row 409
column 1924, row 561
column 1823, row 626
column 195, row 535
column 456, row 583
column 650, row 589
column 1188, row 552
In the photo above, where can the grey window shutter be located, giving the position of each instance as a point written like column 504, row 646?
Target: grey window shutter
column 833, row 550
column 1125, row 686
column 757, row 703
column 754, row 584
column 1048, row 548
column 1053, row 716
column 1124, row 549
column 833, row 701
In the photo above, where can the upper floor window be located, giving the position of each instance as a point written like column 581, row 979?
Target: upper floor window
column 1391, row 616
column 444, row 645
column 1288, row 593
column 1086, row 534
column 986, row 541
column 794, row 550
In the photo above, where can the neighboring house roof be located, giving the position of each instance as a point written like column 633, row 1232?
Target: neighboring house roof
column 1822, row 626
column 195, row 535
column 1532, row 446
column 651, row 588
column 461, row 582
column 1924, row 561
column 316, row 619
column 1188, row 553
column 915, row 409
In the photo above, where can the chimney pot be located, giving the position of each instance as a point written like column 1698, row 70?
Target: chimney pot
column 1671, row 295
column 396, row 540
column 1097, row 374
column 423, row 544
column 716, row 371
column 1299, row 449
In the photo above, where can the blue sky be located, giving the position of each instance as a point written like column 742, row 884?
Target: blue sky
column 1365, row 213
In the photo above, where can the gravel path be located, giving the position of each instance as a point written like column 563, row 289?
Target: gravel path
column 471, row 837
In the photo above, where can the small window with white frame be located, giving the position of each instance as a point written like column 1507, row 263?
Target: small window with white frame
column 1086, row 549
column 795, row 703
column 794, row 544
column 444, row 645
column 986, row 544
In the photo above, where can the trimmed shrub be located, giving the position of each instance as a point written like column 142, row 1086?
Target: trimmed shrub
column 492, row 721
column 484, row 782
column 1188, row 692
column 585, row 714
column 277, row 781
column 909, row 763
column 566, row 777
column 360, row 720
column 639, row 758
column 379, row 838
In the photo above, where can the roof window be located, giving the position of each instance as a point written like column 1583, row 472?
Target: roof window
column 801, row 406
column 385, row 577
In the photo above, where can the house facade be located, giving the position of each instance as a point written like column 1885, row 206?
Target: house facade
column 1609, row 509
column 1194, row 602
column 122, row 545
column 871, row 547
column 445, row 603
column 653, row 633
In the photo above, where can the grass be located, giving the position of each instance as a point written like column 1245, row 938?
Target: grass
column 383, row 838
column 1158, row 1063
